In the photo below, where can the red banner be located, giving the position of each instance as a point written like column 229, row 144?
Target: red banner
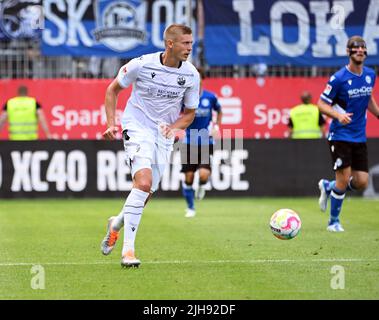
column 260, row 107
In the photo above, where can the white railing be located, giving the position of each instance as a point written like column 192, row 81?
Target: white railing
column 23, row 59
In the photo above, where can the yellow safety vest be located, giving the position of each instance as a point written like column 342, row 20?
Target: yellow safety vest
column 305, row 121
column 22, row 118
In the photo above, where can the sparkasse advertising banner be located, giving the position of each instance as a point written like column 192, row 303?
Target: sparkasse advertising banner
column 252, row 108
column 282, row 32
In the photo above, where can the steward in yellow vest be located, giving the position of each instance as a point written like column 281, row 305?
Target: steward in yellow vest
column 22, row 118
column 23, row 114
column 306, row 121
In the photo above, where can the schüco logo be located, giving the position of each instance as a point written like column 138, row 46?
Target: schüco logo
column 360, row 91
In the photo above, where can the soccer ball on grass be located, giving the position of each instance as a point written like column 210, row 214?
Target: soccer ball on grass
column 285, row 224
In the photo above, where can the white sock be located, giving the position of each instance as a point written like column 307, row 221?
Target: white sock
column 132, row 216
column 118, row 222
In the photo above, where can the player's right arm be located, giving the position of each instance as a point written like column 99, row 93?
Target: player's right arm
column 126, row 76
column 326, row 100
column 325, row 108
column 111, row 95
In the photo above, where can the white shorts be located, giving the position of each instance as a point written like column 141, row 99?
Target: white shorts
column 146, row 150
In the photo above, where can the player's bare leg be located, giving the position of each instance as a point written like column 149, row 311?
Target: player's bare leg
column 203, row 179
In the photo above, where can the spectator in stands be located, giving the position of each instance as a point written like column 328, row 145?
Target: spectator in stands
column 306, row 121
column 23, row 114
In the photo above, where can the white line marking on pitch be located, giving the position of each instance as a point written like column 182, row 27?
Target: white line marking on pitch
column 258, row 261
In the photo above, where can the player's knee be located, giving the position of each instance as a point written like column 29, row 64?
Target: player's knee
column 189, row 177
column 143, row 184
column 204, row 176
column 361, row 184
column 203, row 180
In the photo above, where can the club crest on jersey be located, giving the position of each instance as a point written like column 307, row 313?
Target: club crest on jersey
column 205, row 102
column 117, row 20
column 368, row 79
column 181, row 80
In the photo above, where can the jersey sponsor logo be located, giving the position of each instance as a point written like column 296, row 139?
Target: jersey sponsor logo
column 120, row 19
column 359, row 92
column 181, row 80
column 328, row 89
column 163, row 93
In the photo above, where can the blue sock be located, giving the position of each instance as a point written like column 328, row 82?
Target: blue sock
column 189, row 195
column 329, row 185
column 336, row 199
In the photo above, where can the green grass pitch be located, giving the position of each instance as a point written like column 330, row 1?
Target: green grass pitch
column 226, row 252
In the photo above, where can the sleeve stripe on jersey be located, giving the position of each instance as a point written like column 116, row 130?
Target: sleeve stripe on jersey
column 323, row 97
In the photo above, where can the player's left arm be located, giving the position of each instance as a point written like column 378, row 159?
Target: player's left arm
column 219, row 117
column 184, row 120
column 373, row 106
column 216, row 107
column 190, row 102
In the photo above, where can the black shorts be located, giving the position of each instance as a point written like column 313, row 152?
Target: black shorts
column 349, row 154
column 194, row 157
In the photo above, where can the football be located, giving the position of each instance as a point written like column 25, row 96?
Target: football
column 285, row 224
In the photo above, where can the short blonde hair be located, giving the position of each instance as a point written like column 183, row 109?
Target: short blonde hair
column 355, row 39
column 174, row 30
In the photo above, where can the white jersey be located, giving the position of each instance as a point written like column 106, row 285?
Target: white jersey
column 159, row 92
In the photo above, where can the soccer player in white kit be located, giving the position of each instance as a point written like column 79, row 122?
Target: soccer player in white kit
column 162, row 83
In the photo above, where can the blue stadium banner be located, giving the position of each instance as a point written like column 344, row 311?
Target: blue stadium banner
column 297, row 32
column 20, row 19
column 126, row 28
